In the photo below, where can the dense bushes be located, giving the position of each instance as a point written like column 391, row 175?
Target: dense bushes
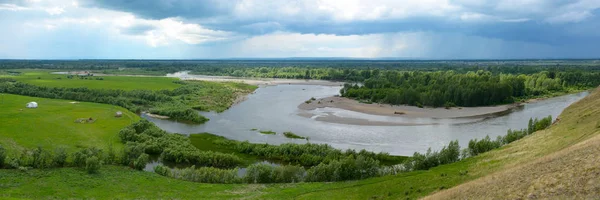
column 304, row 154
column 202, row 174
column 477, row 147
column 144, row 137
column 452, row 153
column 348, row 168
column 447, row 155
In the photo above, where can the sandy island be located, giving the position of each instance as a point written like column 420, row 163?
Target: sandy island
column 403, row 111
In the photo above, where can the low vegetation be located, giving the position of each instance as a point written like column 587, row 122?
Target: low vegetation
column 291, row 135
column 267, row 132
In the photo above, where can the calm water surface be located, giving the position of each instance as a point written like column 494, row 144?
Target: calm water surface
column 275, row 108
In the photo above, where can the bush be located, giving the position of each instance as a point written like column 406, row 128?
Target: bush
column 92, row 165
column 80, row 157
column 2, row 156
column 145, row 137
column 259, row 173
column 141, row 161
column 41, row 159
column 60, row 157
column 206, row 175
column 162, row 170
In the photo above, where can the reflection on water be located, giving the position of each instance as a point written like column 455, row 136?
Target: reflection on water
column 275, row 108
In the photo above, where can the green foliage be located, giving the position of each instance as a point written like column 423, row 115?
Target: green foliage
column 448, row 154
column 141, row 161
column 60, row 157
column 348, row 168
column 448, row 88
column 144, row 137
column 267, row 132
column 259, row 173
column 206, row 175
column 477, row 147
column 303, row 154
column 292, row 135
column 80, row 157
column 162, row 170
column 41, row 158
column 2, row 156
column 92, row 165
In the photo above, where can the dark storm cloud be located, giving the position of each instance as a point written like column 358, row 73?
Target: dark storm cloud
column 159, row 9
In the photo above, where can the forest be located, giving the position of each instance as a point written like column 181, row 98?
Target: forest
column 480, row 88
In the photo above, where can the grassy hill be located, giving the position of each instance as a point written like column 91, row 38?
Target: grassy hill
column 565, row 145
column 53, row 125
column 44, row 78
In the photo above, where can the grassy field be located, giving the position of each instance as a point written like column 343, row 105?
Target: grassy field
column 577, row 124
column 52, row 124
column 44, row 78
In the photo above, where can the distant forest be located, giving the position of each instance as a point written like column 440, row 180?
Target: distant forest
column 432, row 83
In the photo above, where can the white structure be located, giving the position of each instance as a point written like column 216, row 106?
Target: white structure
column 32, row 105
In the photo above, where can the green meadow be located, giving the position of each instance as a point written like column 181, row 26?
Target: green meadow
column 45, row 78
column 53, row 125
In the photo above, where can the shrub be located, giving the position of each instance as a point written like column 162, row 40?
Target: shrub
column 206, row 175
column 41, row 159
column 288, row 174
column 141, row 161
column 92, row 165
column 80, row 157
column 259, row 173
column 60, row 157
column 162, row 170
column 2, row 156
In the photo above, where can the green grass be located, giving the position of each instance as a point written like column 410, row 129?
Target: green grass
column 52, row 124
column 109, row 82
column 289, row 134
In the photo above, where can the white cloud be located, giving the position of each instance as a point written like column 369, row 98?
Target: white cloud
column 161, row 32
column 55, row 10
column 12, row 7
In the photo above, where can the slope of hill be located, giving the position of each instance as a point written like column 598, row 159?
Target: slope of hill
column 561, row 162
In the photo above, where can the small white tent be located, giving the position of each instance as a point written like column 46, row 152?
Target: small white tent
column 32, row 105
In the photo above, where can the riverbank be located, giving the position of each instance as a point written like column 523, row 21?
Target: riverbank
column 253, row 81
column 406, row 111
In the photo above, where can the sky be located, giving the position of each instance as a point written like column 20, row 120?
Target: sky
column 214, row 29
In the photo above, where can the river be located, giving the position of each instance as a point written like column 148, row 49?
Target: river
column 275, row 108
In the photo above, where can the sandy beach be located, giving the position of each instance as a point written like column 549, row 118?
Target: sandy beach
column 407, row 111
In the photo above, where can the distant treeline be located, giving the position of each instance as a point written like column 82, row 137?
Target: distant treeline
column 178, row 104
column 480, row 88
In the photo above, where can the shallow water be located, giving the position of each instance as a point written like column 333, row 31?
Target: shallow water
column 275, row 108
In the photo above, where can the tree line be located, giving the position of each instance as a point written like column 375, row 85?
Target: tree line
column 448, row 88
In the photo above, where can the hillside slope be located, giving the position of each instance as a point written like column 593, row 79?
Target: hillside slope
column 572, row 171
